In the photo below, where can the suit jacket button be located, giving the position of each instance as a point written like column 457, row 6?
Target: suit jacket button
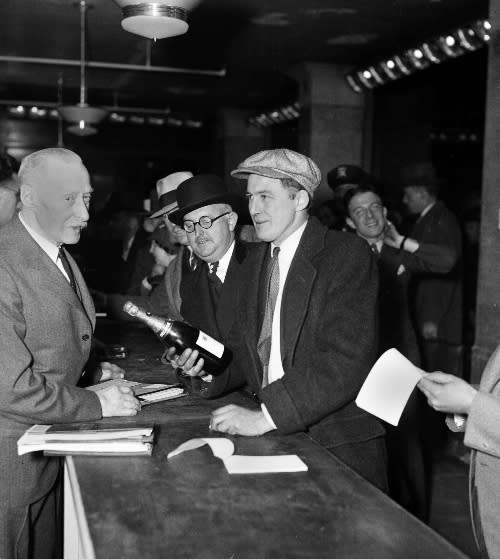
column 85, row 337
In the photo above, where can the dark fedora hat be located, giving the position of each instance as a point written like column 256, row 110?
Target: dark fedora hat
column 199, row 191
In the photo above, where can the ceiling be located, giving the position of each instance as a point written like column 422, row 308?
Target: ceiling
column 255, row 41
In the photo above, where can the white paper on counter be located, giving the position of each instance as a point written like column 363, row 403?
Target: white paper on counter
column 388, row 386
column 237, row 464
column 264, row 464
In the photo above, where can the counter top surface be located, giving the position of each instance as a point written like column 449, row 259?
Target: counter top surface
column 190, row 507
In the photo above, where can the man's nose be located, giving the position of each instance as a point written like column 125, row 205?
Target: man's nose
column 81, row 210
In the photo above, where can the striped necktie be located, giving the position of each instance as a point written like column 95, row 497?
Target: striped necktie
column 264, row 343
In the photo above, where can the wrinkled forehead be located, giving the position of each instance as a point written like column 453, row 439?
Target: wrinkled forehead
column 259, row 183
column 65, row 176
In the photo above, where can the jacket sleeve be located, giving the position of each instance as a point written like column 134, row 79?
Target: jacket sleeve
column 431, row 258
column 482, row 431
column 31, row 390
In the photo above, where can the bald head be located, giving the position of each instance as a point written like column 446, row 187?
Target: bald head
column 55, row 194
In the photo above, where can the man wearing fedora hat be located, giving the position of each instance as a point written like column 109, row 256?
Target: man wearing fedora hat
column 165, row 299
column 208, row 213
column 305, row 338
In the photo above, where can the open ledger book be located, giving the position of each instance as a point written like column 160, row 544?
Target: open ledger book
column 102, row 439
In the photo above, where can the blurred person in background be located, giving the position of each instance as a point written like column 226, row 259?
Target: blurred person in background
column 9, row 188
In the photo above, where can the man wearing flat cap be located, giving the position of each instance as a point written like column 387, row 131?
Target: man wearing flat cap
column 305, row 336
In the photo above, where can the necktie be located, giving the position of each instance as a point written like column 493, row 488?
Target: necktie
column 264, row 343
column 374, row 248
column 193, row 261
column 67, row 268
column 214, row 279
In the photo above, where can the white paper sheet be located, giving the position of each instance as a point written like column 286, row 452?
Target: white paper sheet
column 237, row 464
column 388, row 386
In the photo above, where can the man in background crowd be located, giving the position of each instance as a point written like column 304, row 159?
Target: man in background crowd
column 436, row 294
column 9, row 188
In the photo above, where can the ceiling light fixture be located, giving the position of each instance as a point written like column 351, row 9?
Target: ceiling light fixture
column 157, row 19
column 82, row 116
column 467, row 38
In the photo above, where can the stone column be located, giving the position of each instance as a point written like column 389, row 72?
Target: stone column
column 334, row 126
column 235, row 140
column 488, row 295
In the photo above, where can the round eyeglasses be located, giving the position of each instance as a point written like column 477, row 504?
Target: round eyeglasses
column 205, row 222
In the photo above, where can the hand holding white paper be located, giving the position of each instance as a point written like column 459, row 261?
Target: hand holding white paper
column 388, row 386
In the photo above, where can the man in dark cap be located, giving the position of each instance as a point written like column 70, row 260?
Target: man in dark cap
column 305, row 337
column 436, row 294
column 341, row 179
column 344, row 177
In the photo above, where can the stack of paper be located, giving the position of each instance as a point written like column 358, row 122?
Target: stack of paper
column 87, row 438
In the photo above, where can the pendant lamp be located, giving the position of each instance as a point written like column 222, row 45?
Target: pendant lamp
column 82, row 116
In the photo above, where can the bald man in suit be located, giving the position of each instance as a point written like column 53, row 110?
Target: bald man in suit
column 47, row 320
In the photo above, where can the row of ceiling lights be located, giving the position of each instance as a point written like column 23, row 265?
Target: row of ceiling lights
column 276, row 116
column 114, row 117
column 451, row 45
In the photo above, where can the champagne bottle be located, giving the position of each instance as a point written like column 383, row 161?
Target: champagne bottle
column 181, row 335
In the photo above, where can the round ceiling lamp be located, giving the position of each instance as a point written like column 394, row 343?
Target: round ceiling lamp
column 81, row 115
column 157, row 19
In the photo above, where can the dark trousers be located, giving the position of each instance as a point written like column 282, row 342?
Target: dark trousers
column 34, row 531
column 367, row 458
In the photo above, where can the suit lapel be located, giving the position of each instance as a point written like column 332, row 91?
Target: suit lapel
column 298, row 287
column 47, row 274
column 229, row 294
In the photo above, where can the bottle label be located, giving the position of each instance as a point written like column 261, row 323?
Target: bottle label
column 209, row 344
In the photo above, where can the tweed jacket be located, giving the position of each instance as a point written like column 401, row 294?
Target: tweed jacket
column 45, row 341
column 482, row 435
column 328, row 339
column 438, row 298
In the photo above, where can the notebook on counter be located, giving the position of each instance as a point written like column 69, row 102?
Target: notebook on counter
column 103, row 439
column 145, row 392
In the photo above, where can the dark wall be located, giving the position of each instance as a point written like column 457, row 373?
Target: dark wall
column 436, row 115
column 123, row 160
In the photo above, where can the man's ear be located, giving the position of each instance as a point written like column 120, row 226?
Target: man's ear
column 385, row 212
column 350, row 222
column 27, row 196
column 302, row 200
column 232, row 220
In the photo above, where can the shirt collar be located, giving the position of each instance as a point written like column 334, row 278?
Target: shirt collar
column 290, row 244
column 427, row 209
column 47, row 246
column 224, row 263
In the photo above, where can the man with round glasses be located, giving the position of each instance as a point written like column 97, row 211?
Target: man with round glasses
column 208, row 213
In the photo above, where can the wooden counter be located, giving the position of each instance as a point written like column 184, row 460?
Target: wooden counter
column 190, row 507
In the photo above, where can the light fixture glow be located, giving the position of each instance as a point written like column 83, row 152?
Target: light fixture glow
column 390, row 64
column 156, row 19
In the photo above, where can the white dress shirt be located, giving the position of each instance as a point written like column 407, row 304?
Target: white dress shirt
column 224, row 263
column 285, row 256
column 51, row 249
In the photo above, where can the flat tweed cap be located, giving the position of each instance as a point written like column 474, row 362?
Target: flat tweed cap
column 281, row 164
